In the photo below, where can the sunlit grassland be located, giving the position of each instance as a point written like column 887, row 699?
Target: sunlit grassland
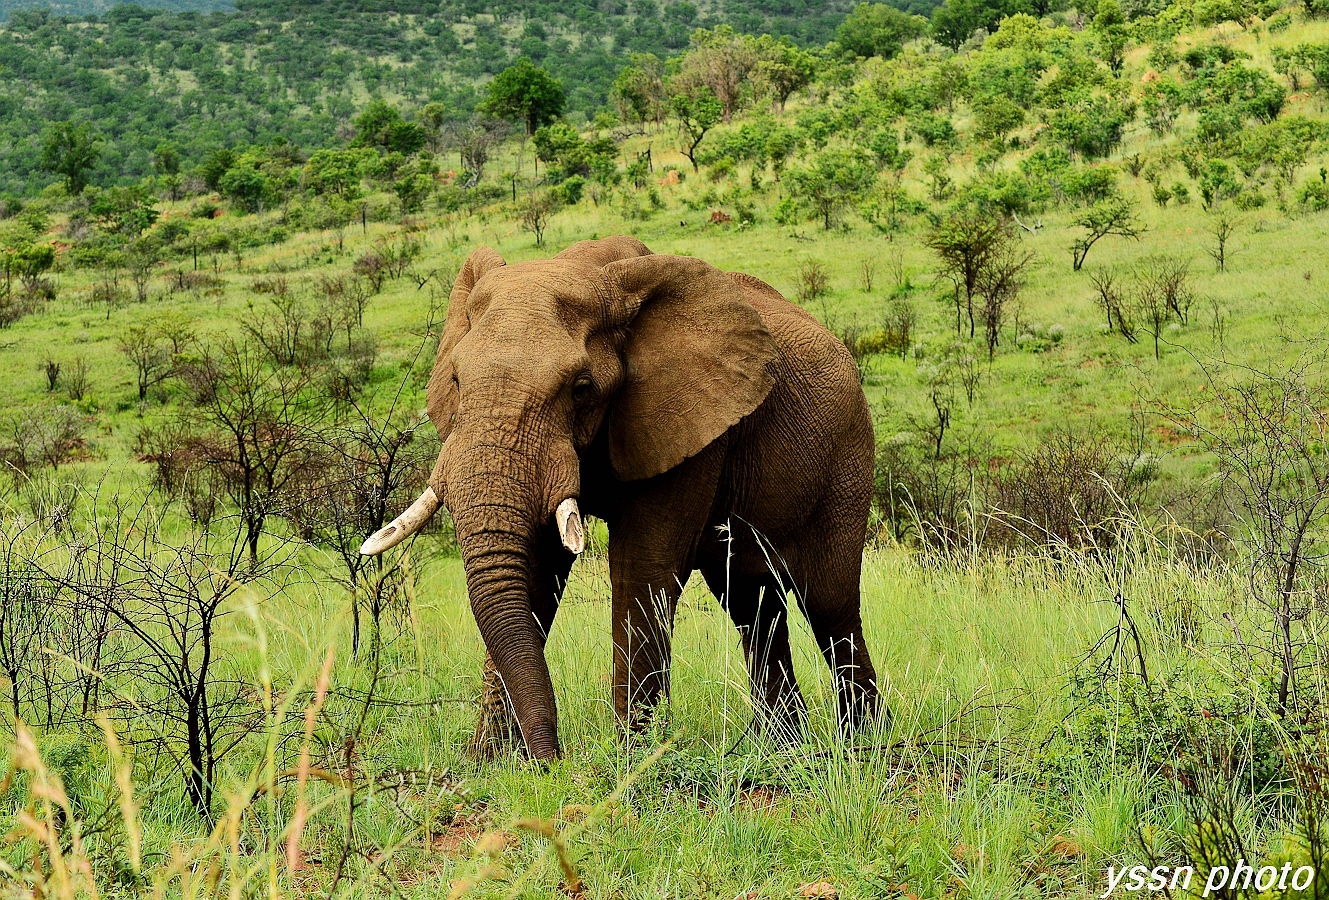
column 958, row 798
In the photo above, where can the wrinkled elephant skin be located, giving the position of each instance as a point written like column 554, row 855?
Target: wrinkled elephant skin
column 710, row 423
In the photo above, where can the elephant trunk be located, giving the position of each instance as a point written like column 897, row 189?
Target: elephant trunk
column 498, row 516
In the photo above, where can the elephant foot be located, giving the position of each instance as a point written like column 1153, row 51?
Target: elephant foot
column 781, row 721
column 496, row 732
column 860, row 705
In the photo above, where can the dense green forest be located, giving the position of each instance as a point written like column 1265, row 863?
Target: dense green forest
column 298, row 71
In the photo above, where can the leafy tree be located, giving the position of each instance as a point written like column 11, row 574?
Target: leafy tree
column 886, row 151
column 246, row 184
column 381, row 125
column 781, row 144
column 833, row 180
column 215, row 165
column 1090, row 125
column 71, row 150
column 979, row 255
column 338, row 172
column 956, row 20
column 783, row 68
column 697, row 111
column 166, row 159
column 568, row 155
column 433, row 117
column 124, row 210
column 1162, row 100
column 526, row 92
column 719, row 61
column 876, row 29
column 638, row 94
column 995, row 117
column 1114, row 215
column 1112, row 32
column 535, row 210
column 412, row 191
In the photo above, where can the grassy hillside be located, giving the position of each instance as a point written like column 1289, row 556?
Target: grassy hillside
column 202, row 78
column 1096, row 694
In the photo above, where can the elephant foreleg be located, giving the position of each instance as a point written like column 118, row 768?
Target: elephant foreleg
column 652, row 549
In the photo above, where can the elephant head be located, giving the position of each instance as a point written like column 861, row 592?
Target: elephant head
column 536, row 359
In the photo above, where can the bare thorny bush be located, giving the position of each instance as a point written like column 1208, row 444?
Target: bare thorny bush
column 119, row 619
column 1157, row 293
column 158, row 673
column 1268, row 430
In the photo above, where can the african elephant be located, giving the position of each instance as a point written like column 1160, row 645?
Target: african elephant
column 709, row 422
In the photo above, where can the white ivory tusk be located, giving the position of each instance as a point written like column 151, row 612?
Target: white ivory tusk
column 402, row 527
column 568, row 519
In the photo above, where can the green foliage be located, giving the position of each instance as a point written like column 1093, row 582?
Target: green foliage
column 995, row 117
column 414, row 184
column 127, row 211
column 877, row 29
column 272, row 68
column 638, row 91
column 1217, row 183
column 1090, row 125
column 782, row 68
column 338, row 172
column 569, row 191
column 956, row 20
column 1222, row 87
column 1011, row 63
column 1113, row 215
column 246, row 183
column 526, row 92
column 567, row 154
column 933, row 130
column 1161, row 101
column 1170, row 726
column 381, row 125
column 697, row 111
column 71, row 151
column 1112, row 33
column 833, row 180
column 886, row 150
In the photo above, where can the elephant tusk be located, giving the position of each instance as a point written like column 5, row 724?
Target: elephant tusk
column 402, row 527
column 568, row 518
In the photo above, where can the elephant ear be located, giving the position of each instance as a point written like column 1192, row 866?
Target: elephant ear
column 697, row 359
column 441, row 395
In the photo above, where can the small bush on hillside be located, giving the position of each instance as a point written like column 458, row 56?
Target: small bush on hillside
column 1070, row 491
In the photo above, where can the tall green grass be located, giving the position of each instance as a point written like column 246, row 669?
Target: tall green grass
column 979, row 787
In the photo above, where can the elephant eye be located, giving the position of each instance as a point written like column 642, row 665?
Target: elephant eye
column 582, row 387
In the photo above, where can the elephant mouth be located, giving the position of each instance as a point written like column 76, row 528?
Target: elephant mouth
column 567, row 517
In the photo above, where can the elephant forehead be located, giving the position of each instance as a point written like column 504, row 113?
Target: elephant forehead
column 562, row 290
column 519, row 340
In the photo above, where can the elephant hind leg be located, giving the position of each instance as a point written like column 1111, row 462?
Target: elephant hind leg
column 829, row 593
column 758, row 607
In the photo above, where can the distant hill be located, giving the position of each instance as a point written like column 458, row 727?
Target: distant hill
column 98, row 7
column 297, row 71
